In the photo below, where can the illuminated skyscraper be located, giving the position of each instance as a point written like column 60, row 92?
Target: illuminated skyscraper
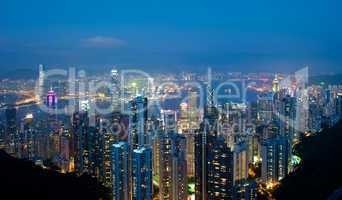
column 240, row 162
column 116, row 99
column 12, row 137
column 165, row 154
column 142, row 173
column 275, row 84
column 172, row 160
column 265, row 108
column 28, row 133
column 40, row 86
column 339, row 105
column 120, row 171
column 80, row 126
column 137, row 122
column 275, row 160
column 179, row 168
column 214, row 160
column 51, row 104
column 2, row 136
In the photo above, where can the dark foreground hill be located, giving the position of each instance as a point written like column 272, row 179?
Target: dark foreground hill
column 320, row 173
column 20, row 179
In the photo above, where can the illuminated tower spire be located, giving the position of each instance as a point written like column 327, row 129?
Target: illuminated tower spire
column 275, row 84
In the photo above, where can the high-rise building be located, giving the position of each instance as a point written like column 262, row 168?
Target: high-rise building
column 142, row 173
column 276, row 84
column 172, row 160
column 137, row 131
column 116, row 88
column 40, row 85
column 179, row 168
column 265, row 108
column 28, row 133
column 120, row 171
column 213, row 160
column 275, row 160
column 80, row 126
column 51, row 104
column 339, row 105
column 2, row 136
column 12, row 137
column 246, row 190
column 240, row 162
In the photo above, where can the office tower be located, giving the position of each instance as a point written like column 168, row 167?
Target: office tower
column 246, row 190
column 40, row 86
column 27, row 137
column 265, row 107
column 172, row 160
column 276, row 84
column 51, row 104
column 193, row 112
column 12, row 137
column 339, row 105
column 51, row 99
column 120, row 171
column 190, row 153
column 142, row 173
column 137, row 122
column 116, row 98
column 315, row 116
column 80, row 126
column 179, row 168
column 188, row 125
column 108, row 140
column 287, row 118
column 117, row 130
column 184, row 118
column 214, row 160
column 2, row 136
column 64, row 152
column 275, row 160
column 165, row 154
column 240, row 162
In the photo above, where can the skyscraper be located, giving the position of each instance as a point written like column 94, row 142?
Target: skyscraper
column 137, row 122
column 12, row 137
column 142, row 173
column 214, row 160
column 172, row 160
column 240, row 162
column 265, row 108
column 120, row 171
column 179, row 168
column 275, row 160
column 80, row 126
column 40, row 85
column 116, row 99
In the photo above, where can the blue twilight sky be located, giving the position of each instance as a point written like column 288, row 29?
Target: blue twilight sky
column 230, row 35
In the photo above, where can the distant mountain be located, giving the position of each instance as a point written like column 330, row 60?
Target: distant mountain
column 320, row 173
column 21, row 179
column 19, row 74
column 326, row 79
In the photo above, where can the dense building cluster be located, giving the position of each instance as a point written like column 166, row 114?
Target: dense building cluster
column 218, row 151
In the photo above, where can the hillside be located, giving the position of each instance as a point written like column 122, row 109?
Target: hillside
column 20, row 179
column 320, row 173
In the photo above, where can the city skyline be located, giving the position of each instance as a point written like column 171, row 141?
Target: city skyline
column 170, row 100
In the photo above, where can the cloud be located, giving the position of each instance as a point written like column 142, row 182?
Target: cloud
column 102, row 42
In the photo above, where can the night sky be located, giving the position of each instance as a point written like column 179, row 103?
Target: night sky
column 239, row 35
